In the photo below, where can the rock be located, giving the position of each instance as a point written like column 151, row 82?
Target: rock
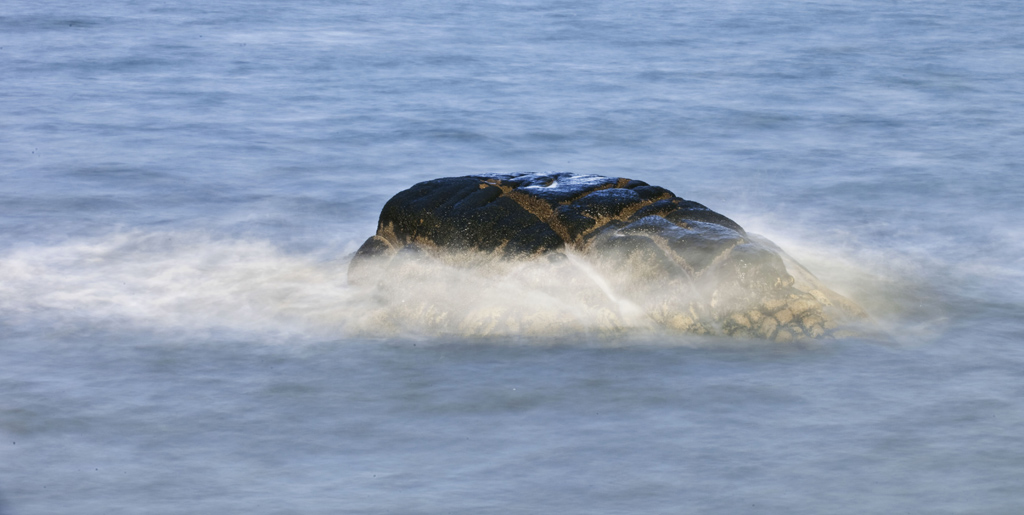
column 675, row 262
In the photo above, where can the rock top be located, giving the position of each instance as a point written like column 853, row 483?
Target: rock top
column 679, row 264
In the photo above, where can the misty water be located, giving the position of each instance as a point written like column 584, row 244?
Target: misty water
column 181, row 184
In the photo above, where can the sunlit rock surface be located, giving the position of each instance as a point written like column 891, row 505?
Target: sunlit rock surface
column 548, row 252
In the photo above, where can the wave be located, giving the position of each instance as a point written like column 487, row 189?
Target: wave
column 173, row 280
column 192, row 283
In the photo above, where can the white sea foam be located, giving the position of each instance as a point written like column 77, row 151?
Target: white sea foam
column 189, row 283
column 174, row 280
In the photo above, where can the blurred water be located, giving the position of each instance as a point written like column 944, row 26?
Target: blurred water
column 181, row 182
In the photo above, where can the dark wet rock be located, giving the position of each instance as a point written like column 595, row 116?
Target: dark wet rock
column 682, row 265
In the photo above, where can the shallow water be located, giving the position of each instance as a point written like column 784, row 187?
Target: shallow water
column 181, row 185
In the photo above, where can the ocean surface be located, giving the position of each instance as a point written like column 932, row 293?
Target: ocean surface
column 181, row 184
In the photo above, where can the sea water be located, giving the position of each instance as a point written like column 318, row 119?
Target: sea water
column 181, row 182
